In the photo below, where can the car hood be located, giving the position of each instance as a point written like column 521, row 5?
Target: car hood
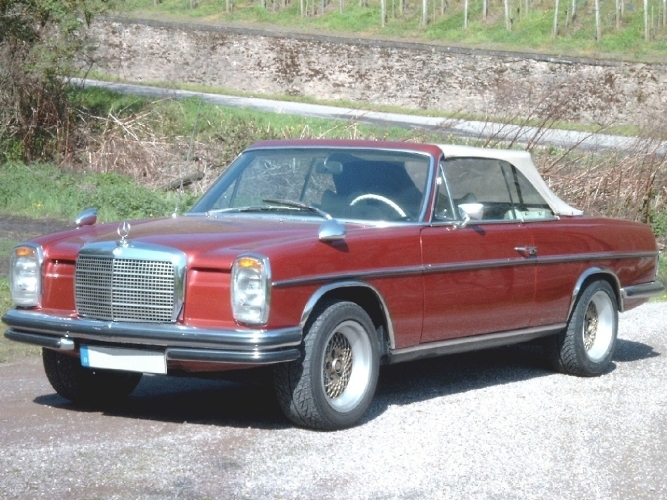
column 208, row 242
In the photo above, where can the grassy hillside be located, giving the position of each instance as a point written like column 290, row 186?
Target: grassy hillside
column 531, row 22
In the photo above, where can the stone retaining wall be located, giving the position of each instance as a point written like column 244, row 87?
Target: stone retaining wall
column 380, row 72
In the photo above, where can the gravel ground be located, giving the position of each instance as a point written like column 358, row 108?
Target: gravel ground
column 493, row 424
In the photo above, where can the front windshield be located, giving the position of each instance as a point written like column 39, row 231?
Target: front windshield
column 354, row 184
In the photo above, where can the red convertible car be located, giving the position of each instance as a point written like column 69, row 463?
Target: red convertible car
column 328, row 259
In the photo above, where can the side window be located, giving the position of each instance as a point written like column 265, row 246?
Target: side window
column 479, row 180
column 443, row 201
column 504, row 192
column 528, row 203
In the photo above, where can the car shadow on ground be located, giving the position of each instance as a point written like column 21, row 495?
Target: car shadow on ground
column 254, row 404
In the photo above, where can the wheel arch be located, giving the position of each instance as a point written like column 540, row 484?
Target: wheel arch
column 365, row 296
column 594, row 274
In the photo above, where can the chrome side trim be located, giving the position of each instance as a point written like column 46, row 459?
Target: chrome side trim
column 461, row 266
column 380, row 273
column 165, row 335
column 477, row 342
column 315, row 298
column 482, row 264
column 558, row 259
column 643, row 291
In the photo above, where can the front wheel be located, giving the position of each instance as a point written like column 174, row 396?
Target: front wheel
column 333, row 383
column 586, row 347
column 85, row 385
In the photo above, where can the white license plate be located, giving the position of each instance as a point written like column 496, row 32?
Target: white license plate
column 131, row 360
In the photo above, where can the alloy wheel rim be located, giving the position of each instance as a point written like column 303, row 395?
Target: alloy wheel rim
column 598, row 327
column 346, row 366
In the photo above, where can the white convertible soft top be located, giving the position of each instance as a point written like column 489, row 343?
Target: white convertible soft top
column 523, row 162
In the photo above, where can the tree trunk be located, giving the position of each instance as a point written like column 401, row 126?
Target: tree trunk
column 424, row 20
column 465, row 15
column 485, row 9
column 598, row 26
column 508, row 24
column 383, row 12
column 647, row 35
column 555, row 33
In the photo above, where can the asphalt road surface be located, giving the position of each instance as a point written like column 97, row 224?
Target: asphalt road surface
column 491, row 425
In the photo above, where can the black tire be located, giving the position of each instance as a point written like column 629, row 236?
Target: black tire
column 332, row 384
column 84, row 385
column 587, row 345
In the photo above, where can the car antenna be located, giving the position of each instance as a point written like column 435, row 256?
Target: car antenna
column 187, row 161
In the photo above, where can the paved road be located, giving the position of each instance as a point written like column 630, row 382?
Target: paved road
column 454, row 127
column 488, row 425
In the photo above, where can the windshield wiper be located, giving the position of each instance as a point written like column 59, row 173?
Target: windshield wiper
column 254, row 208
column 298, row 204
column 274, row 205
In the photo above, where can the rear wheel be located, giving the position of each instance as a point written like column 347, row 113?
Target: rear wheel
column 586, row 347
column 333, row 383
column 85, row 385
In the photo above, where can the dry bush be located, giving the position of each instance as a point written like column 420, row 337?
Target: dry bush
column 34, row 111
column 134, row 146
column 629, row 182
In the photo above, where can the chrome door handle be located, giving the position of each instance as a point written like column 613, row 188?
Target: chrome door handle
column 527, row 251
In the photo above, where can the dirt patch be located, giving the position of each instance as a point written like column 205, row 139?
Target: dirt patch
column 14, row 229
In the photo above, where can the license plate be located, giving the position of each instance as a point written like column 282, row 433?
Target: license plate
column 131, row 360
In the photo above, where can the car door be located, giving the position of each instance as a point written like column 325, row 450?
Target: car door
column 479, row 278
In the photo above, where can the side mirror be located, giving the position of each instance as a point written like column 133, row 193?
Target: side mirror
column 470, row 211
column 332, row 230
column 86, row 218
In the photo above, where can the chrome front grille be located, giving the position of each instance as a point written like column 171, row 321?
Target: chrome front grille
column 131, row 290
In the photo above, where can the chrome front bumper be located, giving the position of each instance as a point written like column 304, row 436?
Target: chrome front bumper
column 180, row 343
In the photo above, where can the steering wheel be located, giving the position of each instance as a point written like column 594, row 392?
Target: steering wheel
column 381, row 198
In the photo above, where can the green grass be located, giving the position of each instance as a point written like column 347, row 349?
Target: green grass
column 43, row 190
column 6, row 245
column 11, row 352
column 531, row 31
